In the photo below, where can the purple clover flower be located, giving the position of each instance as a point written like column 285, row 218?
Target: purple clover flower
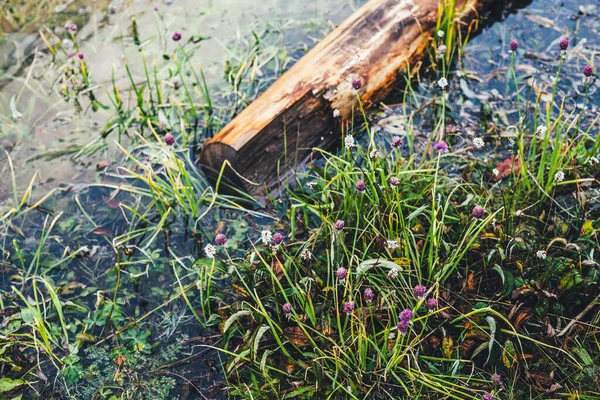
column 420, row 291
column 80, row 55
column 496, row 380
column 341, row 273
column 406, row 315
column 348, row 307
column 177, row 36
column 339, row 225
column 356, row 83
column 588, row 71
column 432, row 304
column 396, row 142
column 403, row 327
column 360, row 185
column 369, row 295
column 220, row 239
column 488, row 396
column 563, row 44
column 478, row 212
column 169, row 139
column 441, row 147
column 277, row 238
column 287, row 308
column 514, row 45
column 394, row 181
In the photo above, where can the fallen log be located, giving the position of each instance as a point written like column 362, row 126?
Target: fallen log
column 305, row 107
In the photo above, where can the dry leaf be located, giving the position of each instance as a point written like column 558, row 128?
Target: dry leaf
column 296, row 336
column 511, row 165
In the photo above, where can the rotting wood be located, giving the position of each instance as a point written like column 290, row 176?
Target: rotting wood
column 306, row 107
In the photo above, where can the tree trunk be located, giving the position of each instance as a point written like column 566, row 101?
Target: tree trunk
column 306, row 107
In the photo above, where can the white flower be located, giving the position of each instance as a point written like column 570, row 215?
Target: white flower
column 541, row 254
column 374, row 154
column 541, row 131
column 443, row 83
column 17, row 115
column 336, row 113
column 440, row 33
column 349, row 142
column 210, row 251
column 559, row 176
column 593, row 161
column 392, row 244
column 266, row 236
column 519, row 213
column 393, row 273
column 478, row 142
column 311, row 184
column 306, row 255
column 496, row 172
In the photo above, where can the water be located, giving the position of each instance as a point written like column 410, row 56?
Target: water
column 50, row 125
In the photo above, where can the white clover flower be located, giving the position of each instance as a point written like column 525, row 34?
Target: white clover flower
column 541, row 254
column 349, row 142
column 266, row 236
column 593, row 161
column 393, row 273
column 519, row 213
column 210, row 251
column 541, row 131
column 336, row 113
column 440, row 33
column 306, row 255
column 374, row 154
column 443, row 83
column 17, row 115
column 496, row 172
column 392, row 244
column 559, row 176
column 478, row 143
column 311, row 184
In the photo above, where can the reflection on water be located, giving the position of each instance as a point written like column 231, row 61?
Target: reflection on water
column 50, row 125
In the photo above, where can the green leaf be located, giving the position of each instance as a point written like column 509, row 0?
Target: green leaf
column 583, row 355
column 509, row 354
column 7, row 384
column 492, row 323
column 235, row 317
column 376, row 262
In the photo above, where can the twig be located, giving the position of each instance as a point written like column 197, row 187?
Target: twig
column 579, row 316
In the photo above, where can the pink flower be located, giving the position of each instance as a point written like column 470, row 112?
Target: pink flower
column 369, row 295
column 356, row 83
column 406, row 315
column 348, row 307
column 403, row 327
column 360, row 185
column 287, row 308
column 563, row 44
column 220, row 239
column 420, row 291
column 441, row 147
column 341, row 273
column 277, row 238
column 169, row 139
column 176, row 36
column 478, row 212
column 514, row 45
column 432, row 304
column 394, row 181
column 588, row 71
column 339, row 225
column 396, row 142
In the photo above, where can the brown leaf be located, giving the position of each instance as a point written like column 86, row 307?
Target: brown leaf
column 102, row 165
column 102, row 231
column 120, row 360
column 296, row 336
column 511, row 165
column 466, row 346
column 277, row 268
column 521, row 319
column 111, row 202
column 470, row 285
